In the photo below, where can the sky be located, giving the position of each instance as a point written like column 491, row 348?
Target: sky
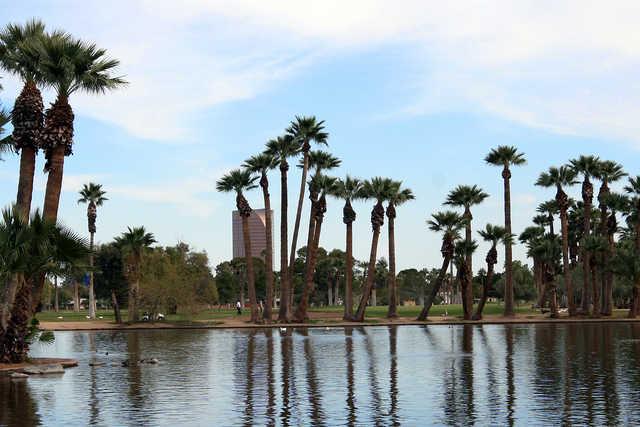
column 418, row 91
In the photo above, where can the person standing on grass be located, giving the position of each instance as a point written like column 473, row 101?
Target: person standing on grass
column 239, row 307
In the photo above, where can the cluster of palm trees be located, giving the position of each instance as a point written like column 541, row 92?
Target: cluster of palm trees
column 58, row 61
column 587, row 237
column 296, row 142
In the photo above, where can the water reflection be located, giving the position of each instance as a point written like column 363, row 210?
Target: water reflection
column 511, row 375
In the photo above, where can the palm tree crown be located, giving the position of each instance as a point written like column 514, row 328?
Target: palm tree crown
column 261, row 163
column 448, row 222
column 135, row 240
column 17, row 53
column 321, row 160
column 92, row 193
column 505, row 156
column 306, row 129
column 587, row 166
column 237, row 180
column 466, row 196
column 557, row 176
column 494, row 234
column 282, row 148
column 396, row 195
column 609, row 171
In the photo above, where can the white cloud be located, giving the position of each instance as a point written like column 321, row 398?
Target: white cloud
column 567, row 66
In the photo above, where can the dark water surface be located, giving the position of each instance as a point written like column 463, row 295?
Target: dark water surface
column 410, row 375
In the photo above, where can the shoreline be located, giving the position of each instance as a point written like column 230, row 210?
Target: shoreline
column 239, row 324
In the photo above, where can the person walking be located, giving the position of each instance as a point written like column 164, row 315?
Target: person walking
column 239, row 307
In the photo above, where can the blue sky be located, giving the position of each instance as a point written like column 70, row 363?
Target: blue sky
column 418, row 91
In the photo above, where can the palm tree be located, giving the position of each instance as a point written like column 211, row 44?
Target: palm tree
column 17, row 56
column 68, row 65
column 28, row 249
column 615, row 203
column 547, row 209
column 262, row 164
column 597, row 247
column 378, row 189
column 587, row 166
column 466, row 196
column 395, row 197
column 633, row 190
column 304, row 130
column 547, row 250
column 93, row 195
column 506, row 156
column 133, row 243
column 560, row 177
column 448, row 223
column 239, row 181
column 282, row 148
column 531, row 236
column 348, row 190
column 493, row 234
column 324, row 186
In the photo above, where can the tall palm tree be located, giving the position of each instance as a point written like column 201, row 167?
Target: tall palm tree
column 262, row 164
column 377, row 189
column 17, row 56
column 466, row 196
column 561, row 177
column 133, row 243
column 547, row 250
column 324, row 185
column 616, row 203
column 531, row 236
column 5, row 141
column 319, row 161
column 29, row 248
column 507, row 156
column 304, row 130
column 349, row 190
column 239, row 181
column 448, row 223
column 548, row 209
column 93, row 195
column 282, row 148
column 608, row 172
column 395, row 197
column 633, row 190
column 493, row 234
column 68, row 65
column 587, row 166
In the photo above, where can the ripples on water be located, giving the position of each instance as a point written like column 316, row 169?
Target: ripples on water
column 409, row 375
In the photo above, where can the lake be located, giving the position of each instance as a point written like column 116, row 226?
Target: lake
column 544, row 374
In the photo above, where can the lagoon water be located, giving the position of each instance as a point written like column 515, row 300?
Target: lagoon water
column 548, row 374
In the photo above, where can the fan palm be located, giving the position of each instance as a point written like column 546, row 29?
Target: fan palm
column 597, row 248
column 17, row 56
column 633, row 190
column 262, row 164
column 348, row 190
column 133, row 243
column 530, row 236
column 587, row 166
column 547, row 250
column 377, row 189
column 396, row 196
column 93, row 195
column 304, row 130
column 616, row 203
column 561, row 177
column 493, row 234
column 28, row 249
column 282, row 148
column 547, row 209
column 466, row 196
column 318, row 161
column 448, row 223
column 324, row 186
column 239, row 181
column 507, row 156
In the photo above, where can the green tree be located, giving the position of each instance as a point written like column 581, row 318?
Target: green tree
column 239, row 181
column 633, row 190
column 93, row 195
column 493, row 234
column 134, row 243
column 505, row 157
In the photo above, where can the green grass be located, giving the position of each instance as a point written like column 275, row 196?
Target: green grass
column 452, row 310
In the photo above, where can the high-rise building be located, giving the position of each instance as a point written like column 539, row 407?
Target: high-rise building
column 257, row 228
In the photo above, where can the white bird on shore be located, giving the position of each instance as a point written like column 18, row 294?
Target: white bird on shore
column 88, row 317
column 99, row 317
column 60, row 317
column 283, row 329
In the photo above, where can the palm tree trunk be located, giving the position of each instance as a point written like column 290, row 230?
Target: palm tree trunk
column 467, row 297
column 251, row 284
column 508, row 257
column 76, row 296
column 587, row 195
column 284, row 313
column 485, row 292
column 57, row 289
column 393, row 302
column 116, row 306
column 565, row 258
column 348, row 289
column 134, row 287
column 266, row 314
column 431, row 297
column 296, row 226
column 301, row 312
column 8, row 298
column 607, row 302
column 92, row 297
column 54, row 183
column 371, row 272
column 25, row 182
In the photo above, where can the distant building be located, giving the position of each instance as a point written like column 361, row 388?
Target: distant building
column 257, row 228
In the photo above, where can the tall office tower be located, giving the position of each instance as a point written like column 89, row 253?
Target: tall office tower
column 257, row 228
